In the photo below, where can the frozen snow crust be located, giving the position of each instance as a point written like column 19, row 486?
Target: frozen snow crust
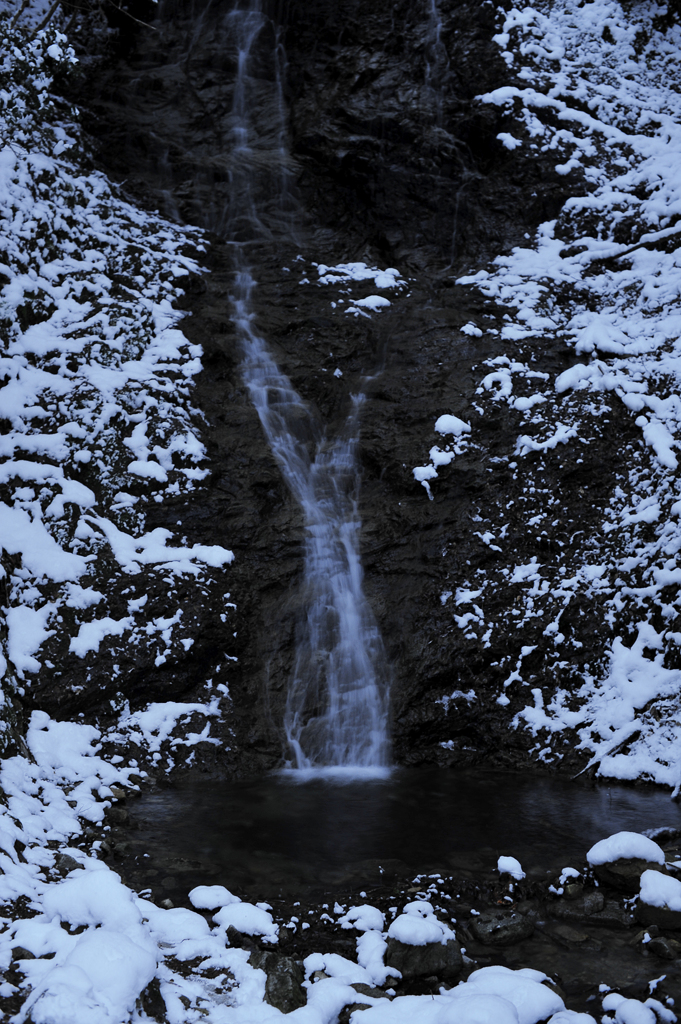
column 598, row 86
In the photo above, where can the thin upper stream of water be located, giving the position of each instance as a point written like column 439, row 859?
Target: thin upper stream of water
column 337, row 710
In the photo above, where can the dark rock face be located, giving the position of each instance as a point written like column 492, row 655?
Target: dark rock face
column 579, row 908
column 392, row 165
column 415, row 167
column 663, row 917
column 284, row 986
column 502, row 928
column 624, row 874
column 442, row 960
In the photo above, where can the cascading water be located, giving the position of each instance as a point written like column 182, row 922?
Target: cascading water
column 437, row 61
column 337, row 707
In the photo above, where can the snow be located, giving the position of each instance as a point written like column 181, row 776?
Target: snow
column 449, row 424
column 571, row 1017
column 98, row 983
column 445, row 424
column 625, row 845
column 629, row 1011
column 510, row 866
column 373, row 302
column 364, row 918
column 491, row 995
column 249, row 919
column 658, row 890
column 532, row 1000
column 417, row 925
column 601, row 279
column 345, row 272
column 210, row 897
column 94, row 372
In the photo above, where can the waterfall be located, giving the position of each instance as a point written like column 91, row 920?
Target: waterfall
column 437, row 61
column 337, row 707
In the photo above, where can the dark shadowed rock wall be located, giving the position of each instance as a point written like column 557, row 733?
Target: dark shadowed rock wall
column 394, row 163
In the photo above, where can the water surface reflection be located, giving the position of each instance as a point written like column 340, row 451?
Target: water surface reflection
column 278, row 834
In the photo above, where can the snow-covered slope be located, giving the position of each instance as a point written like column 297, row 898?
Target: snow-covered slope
column 600, row 87
column 97, row 423
column 95, row 397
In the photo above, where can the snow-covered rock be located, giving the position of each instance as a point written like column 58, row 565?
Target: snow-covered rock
column 510, row 866
column 417, row 925
column 625, row 846
column 247, row 919
column 419, row 945
column 621, row 859
column 659, row 900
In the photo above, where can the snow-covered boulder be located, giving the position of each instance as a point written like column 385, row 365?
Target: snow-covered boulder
column 524, row 990
column 420, row 946
column 660, row 900
column 212, row 897
column 621, row 859
column 510, row 866
column 247, row 919
column 363, row 919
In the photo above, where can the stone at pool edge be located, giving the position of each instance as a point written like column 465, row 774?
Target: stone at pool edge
column 666, row 919
column 284, row 986
column 624, row 874
column 443, row 960
column 592, row 908
column 502, row 927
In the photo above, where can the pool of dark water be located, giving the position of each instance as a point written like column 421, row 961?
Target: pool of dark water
column 278, row 835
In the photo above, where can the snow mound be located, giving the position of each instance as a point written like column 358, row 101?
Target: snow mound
column 658, row 890
column 510, row 866
column 448, row 424
column 247, row 919
column 365, row 918
column 211, row 897
column 532, row 1000
column 417, row 926
column 492, row 995
column 624, row 846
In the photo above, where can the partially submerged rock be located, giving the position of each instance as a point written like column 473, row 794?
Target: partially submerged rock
column 502, row 927
column 421, row 946
column 660, row 901
column 442, row 960
column 621, row 859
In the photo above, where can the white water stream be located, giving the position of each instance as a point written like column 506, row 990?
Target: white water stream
column 337, row 706
column 437, row 60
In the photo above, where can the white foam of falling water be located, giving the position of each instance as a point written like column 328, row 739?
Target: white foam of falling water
column 437, row 61
column 337, row 711
column 336, row 714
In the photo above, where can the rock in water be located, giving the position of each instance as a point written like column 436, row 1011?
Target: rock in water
column 443, row 960
column 502, row 927
column 660, row 901
column 621, row 859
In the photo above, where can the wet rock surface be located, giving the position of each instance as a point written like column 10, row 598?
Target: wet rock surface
column 439, row 959
column 284, row 986
column 624, row 874
column 387, row 169
column 663, row 917
column 502, row 927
